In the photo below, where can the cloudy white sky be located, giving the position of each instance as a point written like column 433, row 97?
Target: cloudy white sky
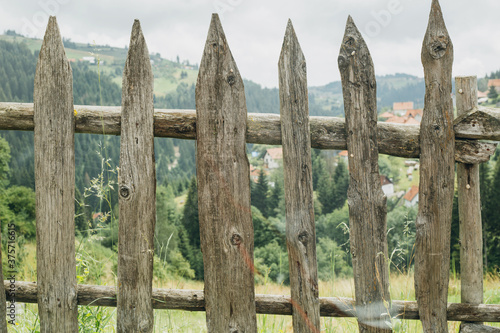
column 393, row 28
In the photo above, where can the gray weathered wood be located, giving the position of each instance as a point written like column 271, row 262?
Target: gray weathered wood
column 297, row 171
column 55, row 186
column 479, row 123
column 477, row 328
column 137, row 191
column 469, row 208
column 367, row 202
column 437, row 177
column 223, row 174
column 193, row 300
column 264, row 128
column 3, row 310
column 473, row 152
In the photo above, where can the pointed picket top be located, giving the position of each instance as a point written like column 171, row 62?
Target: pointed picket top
column 138, row 55
column 291, row 56
column 217, row 58
column 52, row 43
column 437, row 41
column 354, row 51
column 51, row 55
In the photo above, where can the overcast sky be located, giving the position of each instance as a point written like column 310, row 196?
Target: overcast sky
column 254, row 28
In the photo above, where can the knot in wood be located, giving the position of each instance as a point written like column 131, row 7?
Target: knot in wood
column 124, row 191
column 438, row 46
column 236, row 239
column 303, row 237
column 231, row 79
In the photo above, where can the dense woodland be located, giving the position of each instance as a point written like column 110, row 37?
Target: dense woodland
column 177, row 239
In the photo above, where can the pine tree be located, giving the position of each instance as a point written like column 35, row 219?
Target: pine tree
column 340, row 185
column 324, row 192
column 493, row 219
column 484, row 186
column 274, row 199
column 492, row 93
column 190, row 218
column 260, row 193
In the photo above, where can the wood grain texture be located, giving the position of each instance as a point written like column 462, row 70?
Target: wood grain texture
column 137, row 191
column 297, row 171
column 224, row 189
column 437, row 177
column 264, row 128
column 479, row 123
column 194, row 300
column 367, row 202
column 469, row 208
column 55, row 186
column 477, row 328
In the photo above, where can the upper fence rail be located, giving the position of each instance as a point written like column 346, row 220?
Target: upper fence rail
column 399, row 140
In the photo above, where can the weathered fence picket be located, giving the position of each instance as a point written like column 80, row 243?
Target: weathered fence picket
column 297, row 171
column 221, row 127
column 137, row 191
column 469, row 206
column 55, row 186
column 223, row 174
column 367, row 202
column 437, row 177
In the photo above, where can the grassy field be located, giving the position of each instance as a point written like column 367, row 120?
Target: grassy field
column 101, row 269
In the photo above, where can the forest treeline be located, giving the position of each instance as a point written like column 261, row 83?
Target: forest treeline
column 177, row 241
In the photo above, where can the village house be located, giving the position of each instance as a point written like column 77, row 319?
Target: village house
column 410, row 199
column 387, row 185
column 400, row 108
column 273, row 157
column 254, row 173
column 494, row 83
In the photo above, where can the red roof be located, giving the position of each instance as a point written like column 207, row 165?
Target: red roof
column 481, row 94
column 412, row 121
column 402, row 106
column 384, row 180
column 414, row 113
column 343, row 153
column 275, row 153
column 411, row 193
column 386, row 115
column 494, row 83
column 396, row 119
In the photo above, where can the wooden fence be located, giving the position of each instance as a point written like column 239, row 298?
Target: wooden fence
column 221, row 127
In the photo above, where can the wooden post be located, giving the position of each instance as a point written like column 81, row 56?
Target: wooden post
column 55, row 186
column 299, row 200
column 469, row 209
column 437, row 177
column 137, row 191
column 367, row 202
column 224, row 189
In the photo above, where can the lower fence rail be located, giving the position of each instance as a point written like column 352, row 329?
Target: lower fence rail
column 194, row 300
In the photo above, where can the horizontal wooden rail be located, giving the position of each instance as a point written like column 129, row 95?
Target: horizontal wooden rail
column 193, row 300
column 265, row 128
